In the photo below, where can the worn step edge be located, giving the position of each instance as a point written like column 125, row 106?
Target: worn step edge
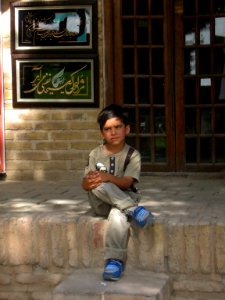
column 197, row 295
column 134, row 284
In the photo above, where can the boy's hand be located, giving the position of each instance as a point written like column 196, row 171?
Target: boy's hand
column 92, row 180
column 104, row 176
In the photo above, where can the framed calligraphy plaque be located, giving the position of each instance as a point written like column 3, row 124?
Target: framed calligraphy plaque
column 55, row 82
column 45, row 25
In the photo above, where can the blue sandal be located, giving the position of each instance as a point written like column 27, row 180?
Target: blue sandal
column 113, row 270
column 142, row 216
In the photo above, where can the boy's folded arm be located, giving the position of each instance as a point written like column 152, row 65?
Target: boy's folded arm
column 123, row 183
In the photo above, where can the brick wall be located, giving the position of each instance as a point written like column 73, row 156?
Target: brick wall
column 49, row 143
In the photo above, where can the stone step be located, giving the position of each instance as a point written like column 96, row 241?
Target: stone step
column 67, row 240
column 197, row 296
column 85, row 284
column 206, row 288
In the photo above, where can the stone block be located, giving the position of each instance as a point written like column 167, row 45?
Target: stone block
column 192, row 254
column 10, row 295
column 136, row 284
column 68, row 135
column 43, row 241
column 176, row 248
column 72, row 241
column 3, row 248
column 5, row 279
column 31, row 135
column 41, row 296
column 17, row 145
column 220, row 249
column 51, row 146
column 198, row 286
column 42, row 278
column 52, row 125
column 19, row 241
column 58, row 243
column 206, row 248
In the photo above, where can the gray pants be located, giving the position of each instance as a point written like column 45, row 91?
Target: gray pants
column 109, row 200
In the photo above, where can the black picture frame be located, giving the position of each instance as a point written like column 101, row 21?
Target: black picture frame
column 69, row 25
column 55, row 81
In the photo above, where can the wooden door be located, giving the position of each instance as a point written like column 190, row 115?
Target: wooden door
column 169, row 73
column 200, row 85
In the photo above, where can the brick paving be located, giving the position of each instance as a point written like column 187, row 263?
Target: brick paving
column 187, row 198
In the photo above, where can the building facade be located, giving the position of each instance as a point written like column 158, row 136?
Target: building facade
column 162, row 60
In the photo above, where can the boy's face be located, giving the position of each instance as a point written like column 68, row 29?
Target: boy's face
column 114, row 132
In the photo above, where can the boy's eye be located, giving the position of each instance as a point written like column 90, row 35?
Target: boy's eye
column 106, row 129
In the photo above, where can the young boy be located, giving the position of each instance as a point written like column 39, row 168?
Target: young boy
column 112, row 170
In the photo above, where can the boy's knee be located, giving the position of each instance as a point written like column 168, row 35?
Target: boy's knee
column 104, row 186
column 117, row 215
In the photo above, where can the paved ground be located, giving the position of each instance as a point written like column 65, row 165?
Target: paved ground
column 171, row 198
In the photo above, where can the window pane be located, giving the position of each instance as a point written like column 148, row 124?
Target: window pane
column 204, row 61
column 189, row 32
column 128, row 32
column 206, row 122
column 220, row 153
column 190, row 91
column 160, row 149
column 159, row 121
column 191, row 148
column 203, row 7
column 221, row 90
column 143, row 90
column 145, row 149
column 189, row 7
column 205, row 149
column 157, row 32
column 127, row 10
column 219, row 29
column 219, row 60
column 142, row 32
column 219, row 6
column 132, row 119
column 129, row 93
column 190, row 120
column 204, row 32
column 144, row 118
column 157, row 7
column 128, row 61
column 143, row 61
column 219, row 120
column 205, row 91
column 158, row 90
column 190, row 62
column 142, row 7
column 157, row 61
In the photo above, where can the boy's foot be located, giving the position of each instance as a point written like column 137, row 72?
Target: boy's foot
column 113, row 270
column 142, row 216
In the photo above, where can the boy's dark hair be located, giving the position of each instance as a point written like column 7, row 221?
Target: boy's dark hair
column 112, row 111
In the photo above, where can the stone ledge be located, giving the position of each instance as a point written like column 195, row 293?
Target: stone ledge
column 134, row 285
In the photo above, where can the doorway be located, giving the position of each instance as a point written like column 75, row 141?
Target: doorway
column 168, row 62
